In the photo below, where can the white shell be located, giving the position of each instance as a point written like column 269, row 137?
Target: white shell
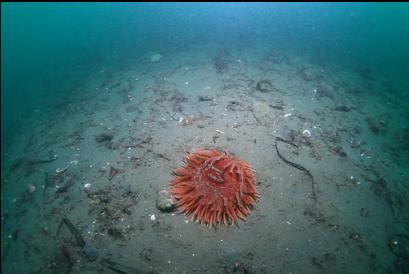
column 306, row 133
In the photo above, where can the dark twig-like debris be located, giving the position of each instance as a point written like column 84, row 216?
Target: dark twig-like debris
column 297, row 166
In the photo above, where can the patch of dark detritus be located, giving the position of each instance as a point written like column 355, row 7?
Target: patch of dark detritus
column 220, row 62
column 278, row 107
column 104, row 137
column 74, row 231
column 342, row 108
column 158, row 154
column 338, row 150
column 264, row 85
column 67, row 256
column 68, row 183
column 366, row 73
column 324, row 261
column 325, row 90
column 310, row 74
column 399, row 245
column 146, row 254
column 235, row 106
column 373, row 126
column 315, row 213
column 378, row 125
column 381, row 188
column 205, row 98
column 26, row 162
column 363, row 212
column 132, row 108
column 242, row 268
column 112, row 172
column 177, row 99
column 123, row 269
column 115, row 233
column 111, row 204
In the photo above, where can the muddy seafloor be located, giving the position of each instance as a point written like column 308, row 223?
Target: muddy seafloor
column 99, row 158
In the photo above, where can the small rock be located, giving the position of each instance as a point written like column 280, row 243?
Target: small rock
column 165, row 201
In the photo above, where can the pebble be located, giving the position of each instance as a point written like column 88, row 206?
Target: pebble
column 165, row 201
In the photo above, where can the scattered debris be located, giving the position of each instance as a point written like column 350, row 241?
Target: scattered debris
column 112, row 203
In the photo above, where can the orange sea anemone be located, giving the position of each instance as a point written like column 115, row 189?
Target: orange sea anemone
column 214, row 187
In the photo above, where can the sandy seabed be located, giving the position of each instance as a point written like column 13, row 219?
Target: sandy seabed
column 99, row 158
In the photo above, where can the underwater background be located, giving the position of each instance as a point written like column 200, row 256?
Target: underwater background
column 100, row 102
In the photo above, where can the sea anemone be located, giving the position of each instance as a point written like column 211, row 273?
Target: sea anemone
column 214, row 187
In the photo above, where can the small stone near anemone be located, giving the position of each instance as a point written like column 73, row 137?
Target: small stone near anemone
column 165, row 201
column 214, row 187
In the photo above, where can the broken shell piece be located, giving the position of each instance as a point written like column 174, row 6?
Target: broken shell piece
column 74, row 162
column 87, row 186
column 61, row 169
column 153, row 217
column 219, row 131
column 306, row 133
